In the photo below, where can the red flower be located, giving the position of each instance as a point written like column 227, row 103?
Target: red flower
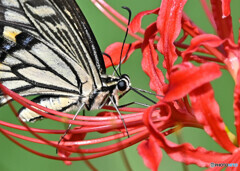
column 212, row 52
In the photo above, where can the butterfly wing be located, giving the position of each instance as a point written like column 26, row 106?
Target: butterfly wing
column 48, row 48
column 76, row 17
column 62, row 23
column 13, row 16
column 31, row 67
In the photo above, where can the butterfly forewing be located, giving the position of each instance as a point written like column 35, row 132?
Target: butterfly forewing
column 55, row 20
column 12, row 15
column 76, row 17
column 43, row 50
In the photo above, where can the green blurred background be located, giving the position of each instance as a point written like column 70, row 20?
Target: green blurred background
column 15, row 158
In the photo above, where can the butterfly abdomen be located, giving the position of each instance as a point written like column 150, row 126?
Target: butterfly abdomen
column 62, row 104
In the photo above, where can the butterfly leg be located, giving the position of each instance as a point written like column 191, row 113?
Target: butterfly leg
column 115, row 106
column 70, row 125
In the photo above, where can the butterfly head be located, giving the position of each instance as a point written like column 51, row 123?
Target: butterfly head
column 124, row 83
column 115, row 86
column 121, row 86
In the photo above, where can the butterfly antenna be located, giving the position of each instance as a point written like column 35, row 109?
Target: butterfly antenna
column 136, row 91
column 130, row 45
column 145, row 91
column 119, row 113
column 125, row 37
column 109, row 57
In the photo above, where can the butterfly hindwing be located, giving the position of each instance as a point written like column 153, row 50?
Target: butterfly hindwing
column 62, row 104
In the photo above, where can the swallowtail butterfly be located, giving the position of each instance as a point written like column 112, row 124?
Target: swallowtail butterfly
column 48, row 49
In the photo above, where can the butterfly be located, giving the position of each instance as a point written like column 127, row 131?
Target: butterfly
column 47, row 48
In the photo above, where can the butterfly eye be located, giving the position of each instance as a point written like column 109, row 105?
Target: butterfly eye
column 122, row 85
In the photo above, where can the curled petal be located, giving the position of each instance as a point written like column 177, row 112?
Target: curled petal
column 135, row 25
column 150, row 60
column 188, row 77
column 204, row 39
column 185, row 152
column 207, row 113
column 114, row 51
column 169, row 26
column 151, row 153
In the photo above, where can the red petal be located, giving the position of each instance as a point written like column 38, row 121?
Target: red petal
column 114, row 50
column 150, row 60
column 189, row 77
column 185, row 152
column 151, row 153
column 223, row 23
column 135, row 25
column 206, row 110
column 236, row 106
column 239, row 35
column 234, row 159
column 226, row 9
column 204, row 39
column 70, row 137
column 169, row 26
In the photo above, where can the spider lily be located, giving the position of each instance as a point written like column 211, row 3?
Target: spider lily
column 188, row 95
column 188, row 98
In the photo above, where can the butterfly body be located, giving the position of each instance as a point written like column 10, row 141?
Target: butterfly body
column 48, row 49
